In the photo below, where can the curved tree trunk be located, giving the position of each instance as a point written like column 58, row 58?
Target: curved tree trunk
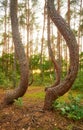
column 21, row 89
column 56, row 65
column 63, row 87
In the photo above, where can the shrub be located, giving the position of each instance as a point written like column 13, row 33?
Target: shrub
column 72, row 109
column 78, row 84
column 18, row 102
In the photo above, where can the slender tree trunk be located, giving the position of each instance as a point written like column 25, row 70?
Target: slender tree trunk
column 14, row 73
column 42, row 45
column 66, row 48
column 59, row 40
column 4, row 63
column 69, row 12
column 27, row 25
column 21, row 89
column 79, row 31
column 64, row 86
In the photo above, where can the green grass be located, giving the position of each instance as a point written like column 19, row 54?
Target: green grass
column 35, row 92
column 35, row 95
column 73, row 92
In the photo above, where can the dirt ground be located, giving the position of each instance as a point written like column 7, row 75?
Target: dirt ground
column 31, row 117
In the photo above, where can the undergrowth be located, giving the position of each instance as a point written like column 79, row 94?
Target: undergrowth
column 72, row 109
column 18, row 102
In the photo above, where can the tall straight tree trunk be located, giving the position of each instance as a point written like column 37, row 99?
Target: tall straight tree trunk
column 42, row 44
column 27, row 3
column 55, row 92
column 69, row 12
column 81, row 10
column 21, row 89
column 66, row 48
column 59, row 39
column 28, row 28
column 4, row 51
column 79, row 30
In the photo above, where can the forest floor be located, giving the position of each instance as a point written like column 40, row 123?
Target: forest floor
column 30, row 115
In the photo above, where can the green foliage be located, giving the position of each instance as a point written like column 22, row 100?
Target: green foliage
column 73, row 109
column 4, row 81
column 47, row 64
column 2, row 77
column 18, row 102
column 70, row 127
column 73, row 2
column 48, row 78
column 81, row 61
column 45, row 70
column 34, row 61
column 78, row 84
column 8, row 76
column 42, row 73
column 36, row 64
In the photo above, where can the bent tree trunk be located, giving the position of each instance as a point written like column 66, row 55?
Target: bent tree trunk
column 21, row 89
column 55, row 92
column 55, row 63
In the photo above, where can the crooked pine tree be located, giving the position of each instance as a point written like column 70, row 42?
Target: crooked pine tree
column 23, row 62
column 56, row 91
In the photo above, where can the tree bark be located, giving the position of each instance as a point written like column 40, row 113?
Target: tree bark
column 55, row 92
column 21, row 89
column 59, row 39
column 56, row 65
